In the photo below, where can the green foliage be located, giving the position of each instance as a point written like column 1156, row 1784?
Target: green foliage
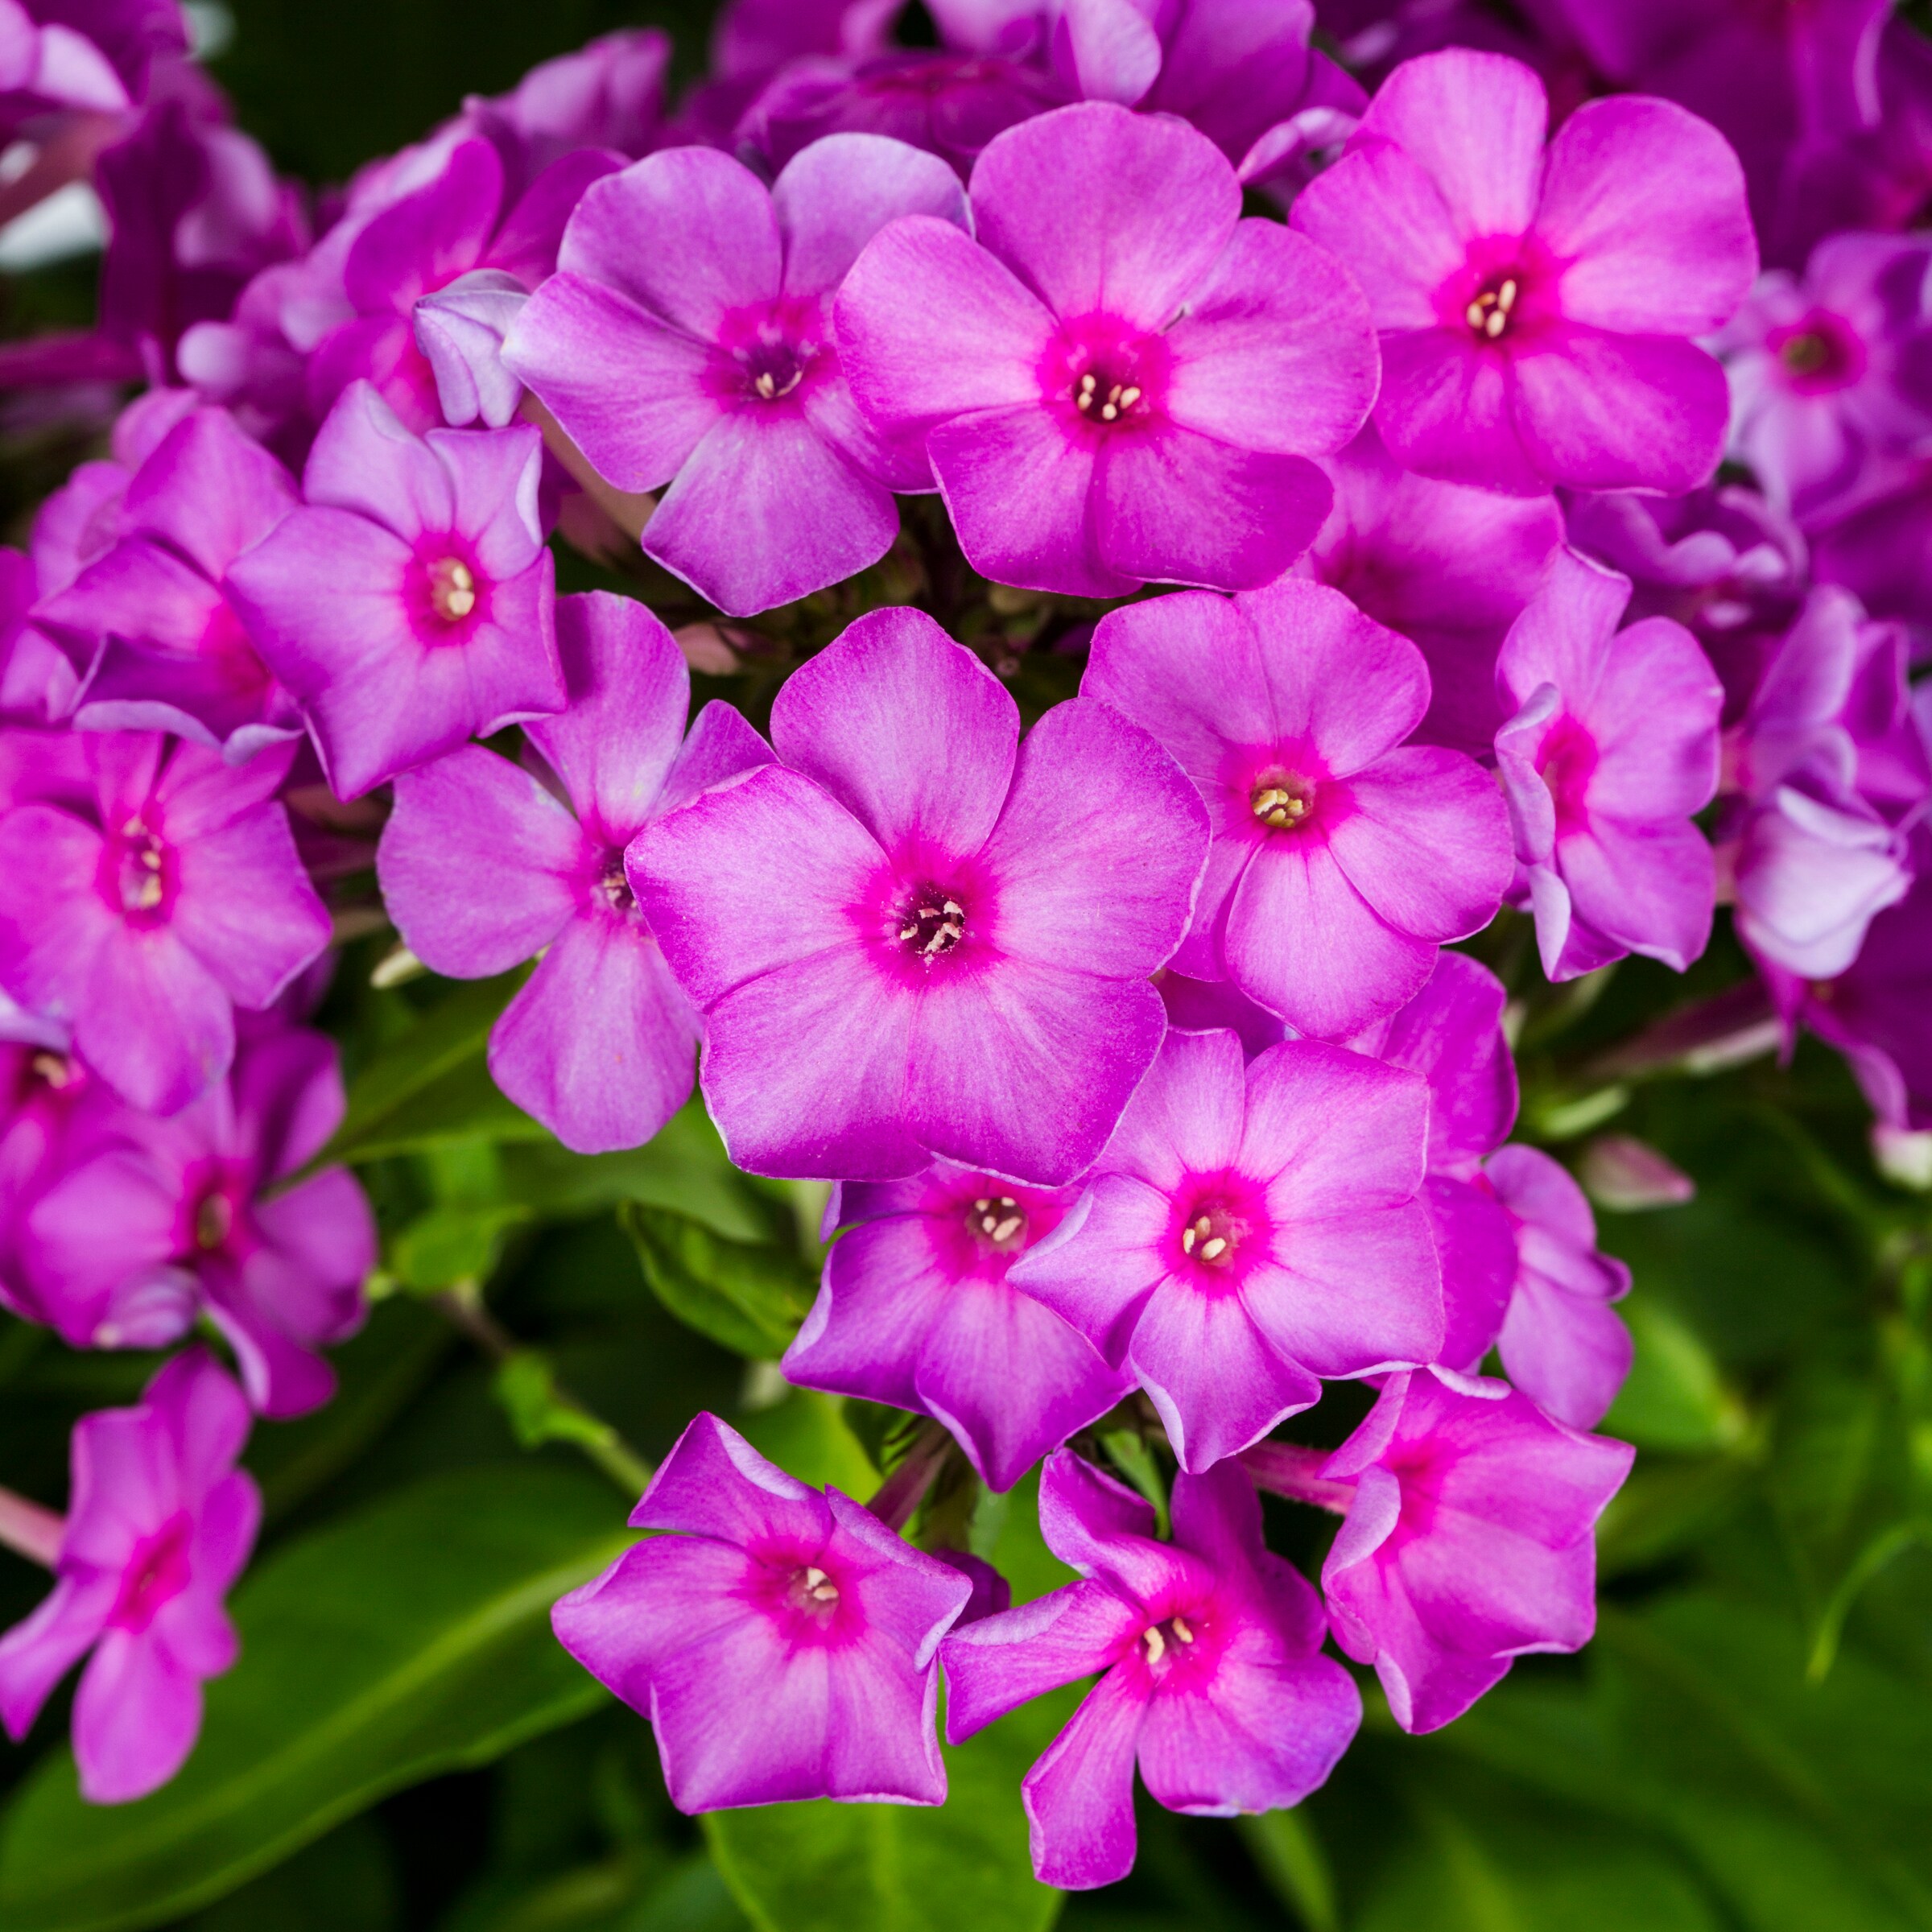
column 403, row 1640
column 749, row 1297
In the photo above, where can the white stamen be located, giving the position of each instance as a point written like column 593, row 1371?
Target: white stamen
column 1157, row 1644
column 1007, row 1228
column 1213, row 1250
column 1178, row 1626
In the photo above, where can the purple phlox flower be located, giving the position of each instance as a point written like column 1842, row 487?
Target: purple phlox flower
column 1241, row 73
column 687, row 340
column 483, row 865
column 143, row 919
column 1612, row 748
column 1721, row 561
column 1451, row 1034
column 1776, row 80
column 751, row 40
column 1536, row 311
column 1834, row 772
column 961, row 969
column 1622, row 1172
column 609, row 94
column 459, row 330
column 1468, row 1542
column 1561, row 1343
column 1342, row 857
column 1878, row 1012
column 1158, row 371
column 70, row 72
column 52, row 1113
column 151, row 629
column 159, row 1524
column 783, row 1644
column 949, row 104
column 1877, row 538
column 464, row 222
column 37, row 683
column 1449, row 567
column 916, row 1311
column 1248, row 1229
column 1209, row 1651
column 1875, row 176
column 175, row 1217
column 991, row 1592
column 407, row 604
column 1826, row 370
column 194, row 211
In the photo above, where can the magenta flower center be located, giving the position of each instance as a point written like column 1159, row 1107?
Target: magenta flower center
column 55, row 1071
column 997, row 1221
column 214, row 1222
column 772, row 369
column 1161, row 1643
column 813, row 1593
column 1212, row 1234
column 1113, row 376
column 1819, row 353
column 156, row 1573
column 613, row 884
column 931, row 923
column 143, row 873
column 1491, row 308
column 452, row 589
column 1102, row 398
column 1283, row 803
column 1565, row 761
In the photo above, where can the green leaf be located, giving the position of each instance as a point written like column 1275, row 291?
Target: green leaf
column 432, row 1085
column 409, row 1639
column 1284, row 1844
column 459, row 1242
column 960, row 1867
column 345, row 1882
column 1675, row 1398
column 1483, row 1856
column 748, row 1297
column 808, row 1436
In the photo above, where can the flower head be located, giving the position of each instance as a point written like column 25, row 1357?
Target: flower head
column 159, row 1524
column 916, row 1311
column 1250, row 1229
column 1342, row 857
column 165, row 1219
column 143, row 913
column 1468, row 1542
column 1159, row 370
column 783, row 1643
column 483, row 864
column 407, row 604
column 157, row 643
column 1209, row 1651
column 1612, row 748
column 916, row 936
column 1536, row 311
column 686, row 340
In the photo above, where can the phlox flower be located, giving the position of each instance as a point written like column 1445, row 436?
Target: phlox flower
column 915, row 934
column 164, row 1220
column 1343, row 857
column 1115, row 379
column 915, row 1310
column 1612, row 747
column 1468, row 1542
column 144, row 912
column 157, row 644
column 1834, row 771
column 407, row 604
column 1537, row 310
column 1248, row 1229
column 159, row 1524
column 686, row 340
column 483, row 864
column 783, row 1643
column 1561, row 1343
column 1208, row 1650
column 1826, row 370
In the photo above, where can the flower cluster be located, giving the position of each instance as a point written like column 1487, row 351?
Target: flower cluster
column 1128, row 1030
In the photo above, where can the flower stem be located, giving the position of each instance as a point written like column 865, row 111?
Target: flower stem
column 1284, row 1469
column 32, row 1532
column 541, row 1409
column 900, row 1495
